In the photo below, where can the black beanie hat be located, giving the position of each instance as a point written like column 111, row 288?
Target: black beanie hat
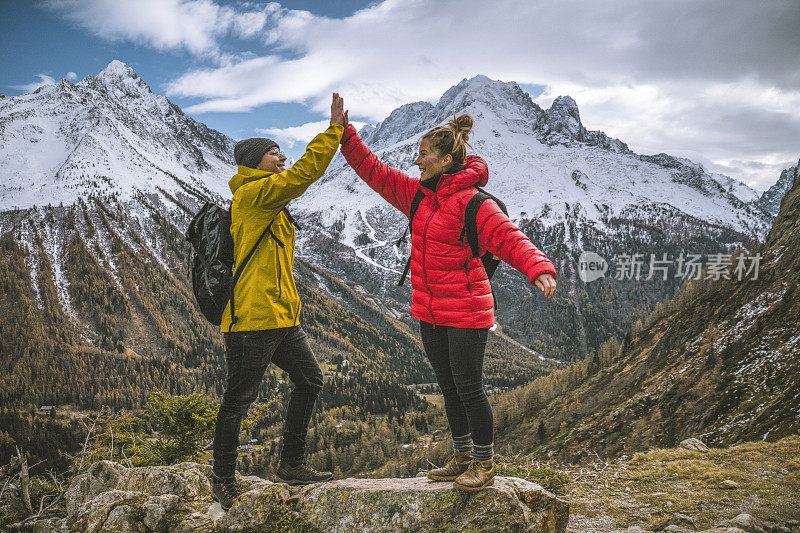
column 249, row 152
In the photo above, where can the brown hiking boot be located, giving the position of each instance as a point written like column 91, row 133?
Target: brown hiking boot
column 456, row 466
column 479, row 474
column 301, row 474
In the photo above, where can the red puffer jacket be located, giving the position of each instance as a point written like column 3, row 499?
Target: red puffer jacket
column 450, row 287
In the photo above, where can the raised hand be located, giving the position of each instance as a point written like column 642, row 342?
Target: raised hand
column 338, row 114
column 547, row 283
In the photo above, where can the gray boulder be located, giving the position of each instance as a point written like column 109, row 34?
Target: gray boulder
column 694, row 444
column 188, row 481
column 416, row 504
column 745, row 522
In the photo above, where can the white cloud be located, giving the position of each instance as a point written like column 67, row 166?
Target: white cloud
column 303, row 133
column 44, row 79
column 759, row 175
column 196, row 26
column 716, row 78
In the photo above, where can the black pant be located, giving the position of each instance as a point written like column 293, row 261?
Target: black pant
column 456, row 355
column 248, row 354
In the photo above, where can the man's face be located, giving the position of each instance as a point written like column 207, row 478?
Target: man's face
column 273, row 161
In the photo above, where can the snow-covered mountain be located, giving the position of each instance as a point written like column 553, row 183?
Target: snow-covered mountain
column 569, row 188
column 106, row 135
column 129, row 166
column 542, row 163
column 771, row 199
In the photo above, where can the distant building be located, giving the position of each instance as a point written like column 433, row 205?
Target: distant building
column 49, row 409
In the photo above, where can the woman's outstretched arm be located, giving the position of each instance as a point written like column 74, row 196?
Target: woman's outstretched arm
column 500, row 236
column 395, row 186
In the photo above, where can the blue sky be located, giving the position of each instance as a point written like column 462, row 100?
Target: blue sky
column 717, row 81
column 36, row 40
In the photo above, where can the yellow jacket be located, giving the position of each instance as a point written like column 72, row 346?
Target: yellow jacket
column 266, row 296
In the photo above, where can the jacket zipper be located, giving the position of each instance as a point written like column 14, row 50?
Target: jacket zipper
column 424, row 245
column 294, row 239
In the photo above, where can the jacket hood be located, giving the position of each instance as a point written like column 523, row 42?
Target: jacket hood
column 246, row 175
column 474, row 174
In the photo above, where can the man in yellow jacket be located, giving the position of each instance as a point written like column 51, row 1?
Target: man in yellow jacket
column 261, row 322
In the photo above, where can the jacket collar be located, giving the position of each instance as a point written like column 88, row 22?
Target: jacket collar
column 461, row 179
column 246, row 175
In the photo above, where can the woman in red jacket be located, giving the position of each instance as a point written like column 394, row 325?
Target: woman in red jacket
column 452, row 296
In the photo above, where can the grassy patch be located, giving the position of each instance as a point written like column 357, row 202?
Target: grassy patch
column 284, row 519
column 654, row 484
column 435, row 399
column 550, row 478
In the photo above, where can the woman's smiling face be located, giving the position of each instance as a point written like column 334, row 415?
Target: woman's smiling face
column 430, row 162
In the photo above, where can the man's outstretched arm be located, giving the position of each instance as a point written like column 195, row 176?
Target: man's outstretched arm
column 278, row 189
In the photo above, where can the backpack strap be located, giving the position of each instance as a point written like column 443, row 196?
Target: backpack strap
column 490, row 262
column 413, row 211
column 240, row 267
column 418, row 197
column 291, row 218
column 471, row 217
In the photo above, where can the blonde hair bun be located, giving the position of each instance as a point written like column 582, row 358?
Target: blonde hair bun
column 462, row 124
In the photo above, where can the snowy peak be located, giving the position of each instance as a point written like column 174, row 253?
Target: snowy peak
column 544, row 163
column 119, row 79
column 501, row 98
column 493, row 100
column 117, row 71
column 771, row 199
column 564, row 117
column 107, row 135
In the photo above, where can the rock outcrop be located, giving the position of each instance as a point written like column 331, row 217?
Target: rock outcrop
column 111, row 497
column 694, row 444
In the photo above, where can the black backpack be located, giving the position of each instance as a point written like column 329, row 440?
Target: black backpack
column 211, row 261
column 489, row 260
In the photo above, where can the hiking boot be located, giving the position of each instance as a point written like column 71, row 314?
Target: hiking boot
column 455, row 466
column 225, row 491
column 301, row 474
column 479, row 474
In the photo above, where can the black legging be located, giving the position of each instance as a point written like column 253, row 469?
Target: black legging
column 456, row 355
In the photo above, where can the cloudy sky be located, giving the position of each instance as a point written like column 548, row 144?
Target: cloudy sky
column 717, row 81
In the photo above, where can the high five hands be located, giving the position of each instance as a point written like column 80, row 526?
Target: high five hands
column 338, row 114
column 547, row 283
